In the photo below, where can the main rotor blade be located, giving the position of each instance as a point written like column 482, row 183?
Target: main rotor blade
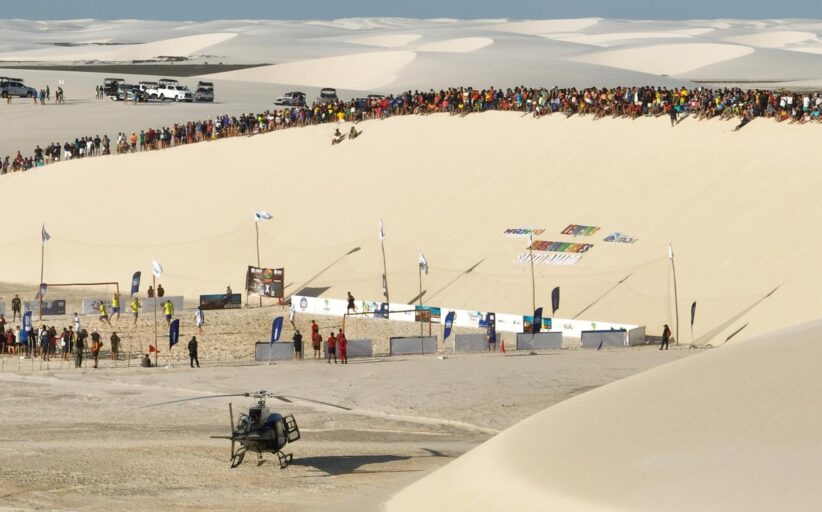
column 289, row 398
column 195, row 398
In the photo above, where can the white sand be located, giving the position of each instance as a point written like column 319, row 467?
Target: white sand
column 779, row 51
column 537, row 27
column 615, row 39
column 364, row 71
column 387, row 41
column 178, row 46
column 668, row 59
column 773, row 39
column 735, row 429
column 461, row 45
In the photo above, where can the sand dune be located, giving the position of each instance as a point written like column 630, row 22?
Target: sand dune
column 362, row 71
column 670, row 59
column 773, row 39
column 387, row 41
column 538, row 27
column 614, row 39
column 461, row 45
column 729, row 430
column 327, row 200
column 563, row 47
column 178, row 46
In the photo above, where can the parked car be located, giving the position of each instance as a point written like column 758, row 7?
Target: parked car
column 291, row 99
column 15, row 87
column 110, row 85
column 129, row 92
column 170, row 92
column 328, row 94
column 204, row 92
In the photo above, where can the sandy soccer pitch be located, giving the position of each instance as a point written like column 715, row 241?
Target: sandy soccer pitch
column 80, row 439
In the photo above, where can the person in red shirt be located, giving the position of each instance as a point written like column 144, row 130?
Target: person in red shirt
column 316, row 339
column 342, row 343
column 331, row 348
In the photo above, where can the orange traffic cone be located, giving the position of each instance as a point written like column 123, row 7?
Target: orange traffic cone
column 502, row 346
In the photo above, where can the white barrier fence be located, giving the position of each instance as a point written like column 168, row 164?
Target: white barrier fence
column 569, row 328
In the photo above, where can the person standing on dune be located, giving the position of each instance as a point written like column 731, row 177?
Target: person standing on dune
column 666, row 335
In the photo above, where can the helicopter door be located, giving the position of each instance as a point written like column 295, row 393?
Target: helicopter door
column 292, row 430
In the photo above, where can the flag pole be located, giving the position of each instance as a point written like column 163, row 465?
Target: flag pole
column 422, row 345
column 676, row 296
column 42, row 266
column 385, row 270
column 257, row 228
column 154, row 301
column 533, row 281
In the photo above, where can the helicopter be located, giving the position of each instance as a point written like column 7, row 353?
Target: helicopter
column 260, row 430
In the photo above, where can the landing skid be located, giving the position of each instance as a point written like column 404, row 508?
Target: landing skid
column 237, row 458
column 285, row 459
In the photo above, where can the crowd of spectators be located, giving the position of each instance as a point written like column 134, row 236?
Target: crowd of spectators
column 631, row 102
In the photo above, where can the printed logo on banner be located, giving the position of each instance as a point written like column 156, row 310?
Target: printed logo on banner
column 427, row 314
column 578, row 230
column 528, row 322
column 303, row 303
column 542, row 245
column 523, row 232
column 620, row 238
column 549, row 259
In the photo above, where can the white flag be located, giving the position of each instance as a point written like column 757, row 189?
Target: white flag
column 262, row 215
column 670, row 251
column 44, row 234
column 156, row 268
column 423, row 264
column 382, row 231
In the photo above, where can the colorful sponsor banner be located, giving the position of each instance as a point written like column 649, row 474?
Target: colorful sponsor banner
column 523, row 232
column 512, row 323
column 549, row 259
column 528, row 324
column 50, row 307
column 266, row 282
column 620, row 238
column 578, row 230
column 542, row 245
column 221, row 301
column 427, row 314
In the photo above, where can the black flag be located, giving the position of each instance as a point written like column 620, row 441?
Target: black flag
column 554, row 300
column 693, row 313
column 536, row 325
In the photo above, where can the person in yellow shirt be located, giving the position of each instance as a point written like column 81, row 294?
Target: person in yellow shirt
column 135, row 309
column 168, row 311
column 104, row 314
column 115, row 305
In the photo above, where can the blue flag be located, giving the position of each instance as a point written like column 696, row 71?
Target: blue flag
column 174, row 333
column 26, row 326
column 135, row 282
column 536, row 325
column 276, row 329
column 449, row 322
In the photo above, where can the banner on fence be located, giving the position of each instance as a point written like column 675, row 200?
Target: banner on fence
column 50, row 307
column 221, row 301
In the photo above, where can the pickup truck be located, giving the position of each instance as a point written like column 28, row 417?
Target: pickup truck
column 170, row 92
